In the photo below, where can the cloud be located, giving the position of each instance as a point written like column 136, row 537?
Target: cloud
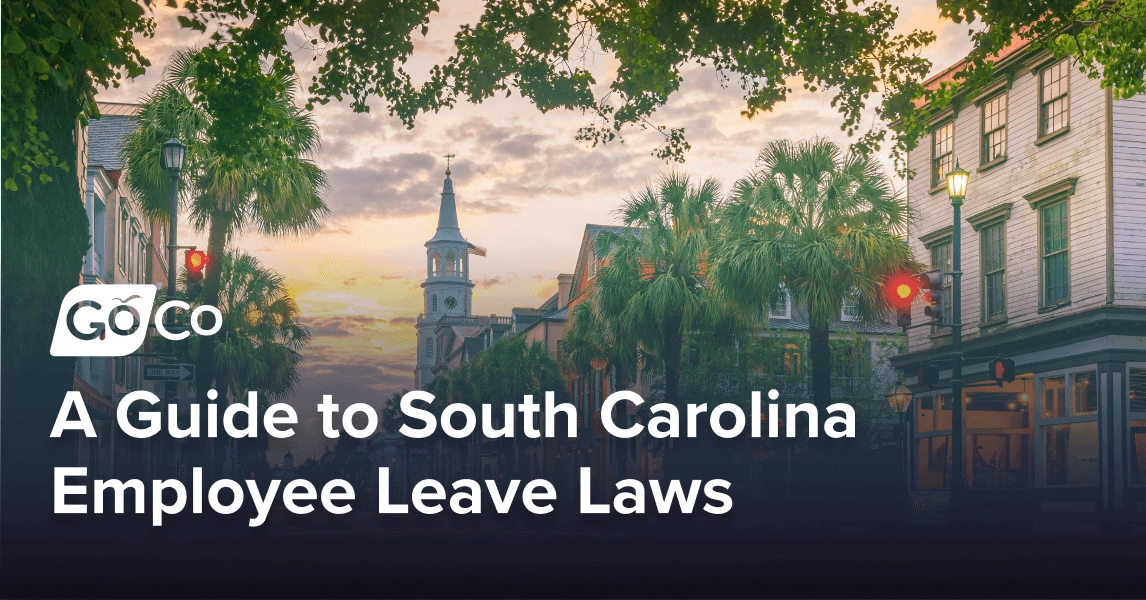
column 485, row 284
column 339, row 326
column 403, row 321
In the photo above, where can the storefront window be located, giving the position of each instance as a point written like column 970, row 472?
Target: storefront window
column 1072, row 453
column 1138, row 452
column 1054, row 397
column 998, row 424
column 1085, row 393
column 1069, row 433
column 933, row 466
column 932, row 432
column 925, row 415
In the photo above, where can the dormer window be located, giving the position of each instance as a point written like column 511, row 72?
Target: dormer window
column 781, row 309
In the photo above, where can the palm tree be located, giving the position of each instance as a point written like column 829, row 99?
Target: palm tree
column 259, row 346
column 652, row 291
column 590, row 341
column 269, row 183
column 820, row 225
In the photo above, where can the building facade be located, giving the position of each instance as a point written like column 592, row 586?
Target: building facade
column 1053, row 276
column 127, row 247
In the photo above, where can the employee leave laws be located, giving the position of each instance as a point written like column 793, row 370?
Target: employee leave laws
column 168, row 497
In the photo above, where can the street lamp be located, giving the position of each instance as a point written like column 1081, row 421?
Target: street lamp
column 899, row 397
column 956, row 190
column 171, row 158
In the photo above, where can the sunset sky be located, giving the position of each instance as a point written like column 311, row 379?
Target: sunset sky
column 525, row 190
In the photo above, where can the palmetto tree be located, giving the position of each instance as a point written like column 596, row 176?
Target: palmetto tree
column 823, row 225
column 589, row 340
column 652, row 290
column 268, row 182
column 259, row 345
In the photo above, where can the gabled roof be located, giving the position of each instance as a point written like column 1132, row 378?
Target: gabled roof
column 106, row 136
column 1012, row 49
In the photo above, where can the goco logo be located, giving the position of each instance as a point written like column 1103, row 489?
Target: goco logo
column 112, row 320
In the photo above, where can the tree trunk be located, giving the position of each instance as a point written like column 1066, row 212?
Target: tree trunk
column 673, row 343
column 205, row 362
column 44, row 238
column 821, row 355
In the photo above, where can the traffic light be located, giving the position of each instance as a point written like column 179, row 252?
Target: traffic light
column 931, row 283
column 901, row 290
column 196, row 262
column 1002, row 370
column 928, row 374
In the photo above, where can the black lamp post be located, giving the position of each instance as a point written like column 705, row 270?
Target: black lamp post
column 171, row 157
column 899, row 397
column 956, row 190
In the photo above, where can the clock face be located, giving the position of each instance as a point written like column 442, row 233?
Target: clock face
column 451, row 302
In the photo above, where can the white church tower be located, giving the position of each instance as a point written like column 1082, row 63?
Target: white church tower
column 447, row 290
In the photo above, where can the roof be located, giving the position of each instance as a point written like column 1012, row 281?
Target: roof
column 448, row 230
column 595, row 230
column 122, row 109
column 106, row 137
column 932, row 83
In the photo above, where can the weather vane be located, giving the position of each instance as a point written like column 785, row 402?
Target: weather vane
column 448, row 157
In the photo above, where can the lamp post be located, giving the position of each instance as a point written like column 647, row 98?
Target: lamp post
column 171, row 157
column 956, row 190
column 899, row 397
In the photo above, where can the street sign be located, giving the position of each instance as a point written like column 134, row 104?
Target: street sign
column 162, row 372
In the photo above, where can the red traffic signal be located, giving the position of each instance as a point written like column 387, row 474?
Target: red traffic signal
column 1002, row 370
column 901, row 290
column 196, row 262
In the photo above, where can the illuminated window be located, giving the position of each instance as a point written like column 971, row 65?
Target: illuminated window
column 1069, row 431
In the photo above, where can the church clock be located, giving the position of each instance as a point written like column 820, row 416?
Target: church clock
column 451, row 303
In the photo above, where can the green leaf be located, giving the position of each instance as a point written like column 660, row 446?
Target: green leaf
column 14, row 44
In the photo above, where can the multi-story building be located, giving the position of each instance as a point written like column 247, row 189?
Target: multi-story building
column 127, row 247
column 1053, row 276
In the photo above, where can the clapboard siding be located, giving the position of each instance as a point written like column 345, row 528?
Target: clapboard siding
column 1080, row 153
column 1129, row 183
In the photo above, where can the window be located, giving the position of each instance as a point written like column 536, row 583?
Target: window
column 781, row 309
column 941, row 259
column 1138, row 452
column 1054, row 98
column 141, row 266
column 596, row 393
column 1137, row 386
column 849, row 308
column 933, row 434
column 791, row 364
column 994, row 128
column 434, row 303
column 451, row 264
column 1055, row 255
column 124, row 233
column 994, row 266
column 1069, row 429
column 430, row 347
column 942, row 153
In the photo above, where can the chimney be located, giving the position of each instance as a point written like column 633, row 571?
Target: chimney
column 564, row 283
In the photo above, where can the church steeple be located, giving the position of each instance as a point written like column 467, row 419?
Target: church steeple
column 447, row 290
column 448, row 212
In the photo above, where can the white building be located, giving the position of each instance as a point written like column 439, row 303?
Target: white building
column 1054, row 276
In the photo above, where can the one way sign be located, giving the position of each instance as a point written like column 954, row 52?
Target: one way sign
column 162, row 372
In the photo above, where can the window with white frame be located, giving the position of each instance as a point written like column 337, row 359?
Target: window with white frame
column 942, row 152
column 782, row 308
column 1068, row 428
column 849, row 308
column 1054, row 97
column 994, row 129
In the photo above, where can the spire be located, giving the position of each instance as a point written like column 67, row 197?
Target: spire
column 448, row 213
